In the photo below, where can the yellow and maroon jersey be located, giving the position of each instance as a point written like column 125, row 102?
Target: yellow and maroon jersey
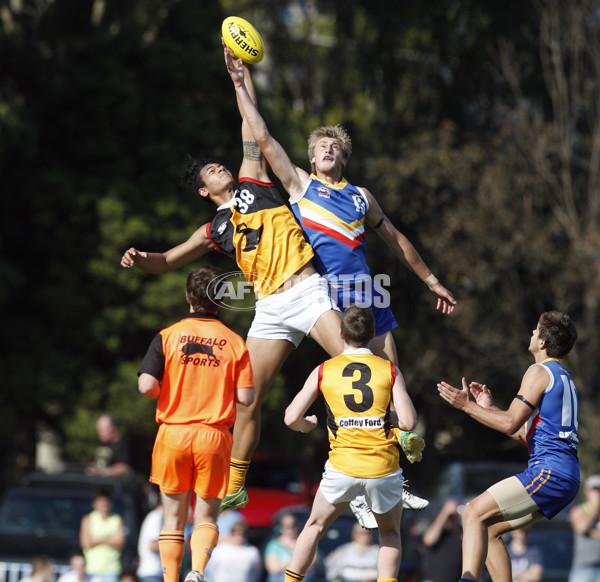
column 258, row 231
column 357, row 387
column 199, row 362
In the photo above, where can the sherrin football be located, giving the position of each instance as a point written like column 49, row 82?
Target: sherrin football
column 243, row 39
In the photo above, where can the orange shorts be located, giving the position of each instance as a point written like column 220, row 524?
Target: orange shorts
column 192, row 456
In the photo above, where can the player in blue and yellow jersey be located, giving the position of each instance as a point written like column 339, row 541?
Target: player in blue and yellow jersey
column 333, row 214
column 254, row 227
column 544, row 416
column 358, row 388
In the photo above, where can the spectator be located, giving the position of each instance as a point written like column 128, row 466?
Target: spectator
column 355, row 561
column 234, row 559
column 113, row 455
column 585, row 521
column 278, row 551
column 102, row 537
column 227, row 519
column 525, row 561
column 442, row 542
column 150, row 566
column 43, row 570
column 76, row 572
column 128, row 576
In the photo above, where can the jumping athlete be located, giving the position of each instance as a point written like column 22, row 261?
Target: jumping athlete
column 255, row 227
column 333, row 213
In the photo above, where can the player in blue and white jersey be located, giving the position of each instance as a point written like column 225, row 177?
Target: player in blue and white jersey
column 543, row 415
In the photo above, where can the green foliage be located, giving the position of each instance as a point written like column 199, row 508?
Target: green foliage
column 474, row 125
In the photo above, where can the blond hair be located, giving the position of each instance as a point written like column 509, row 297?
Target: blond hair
column 333, row 131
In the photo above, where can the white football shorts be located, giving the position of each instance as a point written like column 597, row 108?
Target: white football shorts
column 382, row 493
column 291, row 314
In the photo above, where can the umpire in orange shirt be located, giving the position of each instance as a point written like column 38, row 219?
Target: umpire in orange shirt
column 198, row 369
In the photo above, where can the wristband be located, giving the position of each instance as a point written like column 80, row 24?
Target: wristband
column 431, row 281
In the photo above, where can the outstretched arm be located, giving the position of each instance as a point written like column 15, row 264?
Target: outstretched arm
column 253, row 164
column 291, row 176
column 484, row 398
column 406, row 252
column 196, row 246
column 510, row 421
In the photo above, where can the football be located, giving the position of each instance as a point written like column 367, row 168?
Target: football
column 243, row 39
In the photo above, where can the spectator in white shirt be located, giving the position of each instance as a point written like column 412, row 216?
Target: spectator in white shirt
column 150, row 566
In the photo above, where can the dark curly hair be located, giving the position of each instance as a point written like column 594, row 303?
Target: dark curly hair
column 190, row 175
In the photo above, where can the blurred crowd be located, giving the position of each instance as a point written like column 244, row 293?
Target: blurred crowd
column 235, row 559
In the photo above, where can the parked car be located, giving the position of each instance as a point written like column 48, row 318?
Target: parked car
column 43, row 513
column 276, row 480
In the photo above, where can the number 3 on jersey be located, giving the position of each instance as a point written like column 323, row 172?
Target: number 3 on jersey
column 365, row 401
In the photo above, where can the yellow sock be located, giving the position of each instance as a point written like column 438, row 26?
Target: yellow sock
column 171, row 547
column 237, row 475
column 202, row 543
column 293, row 576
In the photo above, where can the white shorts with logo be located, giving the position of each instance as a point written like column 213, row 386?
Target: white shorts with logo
column 382, row 493
column 291, row 314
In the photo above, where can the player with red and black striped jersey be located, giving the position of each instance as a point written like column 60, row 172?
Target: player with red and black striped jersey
column 255, row 227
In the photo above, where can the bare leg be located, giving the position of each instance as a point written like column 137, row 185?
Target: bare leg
column 383, row 346
column 498, row 560
column 207, row 510
column 266, row 357
column 390, row 543
column 175, row 508
column 322, row 515
column 326, row 332
column 477, row 516
column 171, row 543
